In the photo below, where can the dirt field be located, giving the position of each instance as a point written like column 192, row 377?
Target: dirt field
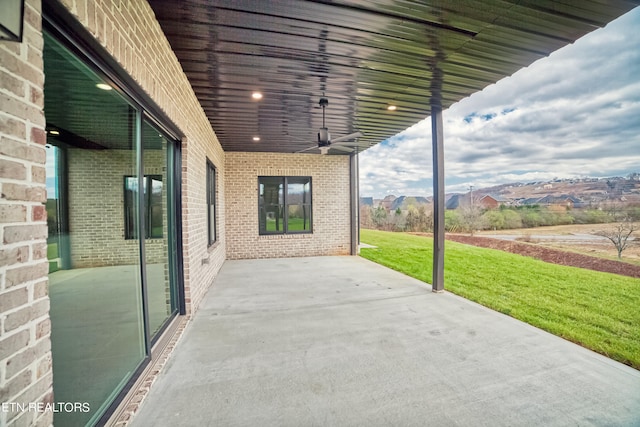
column 567, row 245
column 574, row 238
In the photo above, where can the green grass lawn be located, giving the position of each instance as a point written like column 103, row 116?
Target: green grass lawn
column 52, row 254
column 52, row 250
column 600, row 311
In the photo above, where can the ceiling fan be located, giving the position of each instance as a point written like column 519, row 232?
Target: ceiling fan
column 342, row 143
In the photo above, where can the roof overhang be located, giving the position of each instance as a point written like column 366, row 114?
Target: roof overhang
column 365, row 56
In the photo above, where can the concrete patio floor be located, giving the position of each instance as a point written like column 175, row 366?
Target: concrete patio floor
column 341, row 341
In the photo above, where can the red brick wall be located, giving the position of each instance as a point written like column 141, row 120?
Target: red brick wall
column 25, row 346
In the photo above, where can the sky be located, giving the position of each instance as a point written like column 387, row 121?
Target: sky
column 575, row 113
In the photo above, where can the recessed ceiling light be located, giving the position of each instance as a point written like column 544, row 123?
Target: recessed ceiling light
column 103, row 86
column 256, row 138
column 256, row 95
column 391, row 108
column 54, row 132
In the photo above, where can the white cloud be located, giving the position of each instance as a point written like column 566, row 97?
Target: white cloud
column 573, row 114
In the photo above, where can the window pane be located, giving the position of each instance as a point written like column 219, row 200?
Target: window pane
column 299, row 204
column 57, row 241
column 274, row 218
column 130, row 200
column 161, row 286
column 97, row 332
column 212, row 223
column 153, row 210
column 156, row 207
column 299, row 218
column 211, row 201
column 271, row 203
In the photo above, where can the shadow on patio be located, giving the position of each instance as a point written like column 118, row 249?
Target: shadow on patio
column 344, row 341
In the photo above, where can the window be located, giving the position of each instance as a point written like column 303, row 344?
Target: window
column 211, row 203
column 152, row 188
column 284, row 205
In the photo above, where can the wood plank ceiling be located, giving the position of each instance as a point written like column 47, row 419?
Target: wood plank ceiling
column 364, row 55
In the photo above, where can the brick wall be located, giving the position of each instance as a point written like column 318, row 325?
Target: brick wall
column 96, row 220
column 25, row 346
column 129, row 31
column 330, row 197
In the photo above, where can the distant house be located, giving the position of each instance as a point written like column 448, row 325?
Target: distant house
column 387, row 202
column 453, row 202
column 366, row 201
column 531, row 201
column 564, row 201
column 493, row 201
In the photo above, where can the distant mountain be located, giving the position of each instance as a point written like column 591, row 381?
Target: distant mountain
column 586, row 191
column 403, row 202
column 392, row 202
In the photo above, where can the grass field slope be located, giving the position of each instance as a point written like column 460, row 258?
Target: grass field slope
column 600, row 311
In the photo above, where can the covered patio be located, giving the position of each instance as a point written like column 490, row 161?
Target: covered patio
column 344, row 341
column 268, row 74
column 218, row 108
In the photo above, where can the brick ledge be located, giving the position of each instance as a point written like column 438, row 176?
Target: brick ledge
column 132, row 401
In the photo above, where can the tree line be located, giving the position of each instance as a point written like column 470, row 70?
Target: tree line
column 468, row 219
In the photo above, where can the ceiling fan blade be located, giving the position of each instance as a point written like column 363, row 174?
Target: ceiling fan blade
column 341, row 148
column 347, row 137
column 350, row 144
column 314, row 147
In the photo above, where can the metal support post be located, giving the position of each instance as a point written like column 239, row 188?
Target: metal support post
column 438, row 197
column 355, row 202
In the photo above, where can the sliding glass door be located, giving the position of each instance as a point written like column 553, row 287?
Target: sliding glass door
column 112, row 234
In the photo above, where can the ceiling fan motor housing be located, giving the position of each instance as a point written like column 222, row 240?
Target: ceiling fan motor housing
column 324, row 137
